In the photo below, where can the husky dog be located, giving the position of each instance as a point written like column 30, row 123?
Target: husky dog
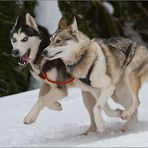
column 28, row 40
column 99, row 65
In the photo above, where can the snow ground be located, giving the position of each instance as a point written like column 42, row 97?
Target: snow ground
column 64, row 128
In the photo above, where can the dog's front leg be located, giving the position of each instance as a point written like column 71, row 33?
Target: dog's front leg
column 38, row 106
column 53, row 96
column 47, row 97
column 99, row 106
column 89, row 102
column 53, row 105
column 32, row 115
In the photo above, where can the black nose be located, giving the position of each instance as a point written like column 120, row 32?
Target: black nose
column 15, row 52
column 44, row 52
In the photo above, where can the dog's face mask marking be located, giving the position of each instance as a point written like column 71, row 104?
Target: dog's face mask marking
column 63, row 42
column 21, row 44
column 24, row 39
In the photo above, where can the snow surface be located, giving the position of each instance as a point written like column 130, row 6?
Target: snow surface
column 109, row 7
column 64, row 128
column 48, row 14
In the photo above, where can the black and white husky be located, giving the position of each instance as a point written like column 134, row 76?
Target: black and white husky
column 28, row 40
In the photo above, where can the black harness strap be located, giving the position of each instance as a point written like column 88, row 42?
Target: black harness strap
column 84, row 80
column 128, row 55
column 87, row 79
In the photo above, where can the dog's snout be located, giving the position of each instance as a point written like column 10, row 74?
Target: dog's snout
column 15, row 52
column 44, row 52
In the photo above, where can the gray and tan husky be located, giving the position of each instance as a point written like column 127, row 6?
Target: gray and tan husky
column 99, row 67
column 28, row 40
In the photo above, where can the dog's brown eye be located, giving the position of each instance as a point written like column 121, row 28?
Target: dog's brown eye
column 58, row 41
column 25, row 39
column 14, row 40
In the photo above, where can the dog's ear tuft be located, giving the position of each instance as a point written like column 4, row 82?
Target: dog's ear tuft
column 31, row 22
column 62, row 23
column 74, row 27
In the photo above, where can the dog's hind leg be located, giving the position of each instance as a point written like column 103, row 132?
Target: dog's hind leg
column 130, row 122
column 125, row 101
column 122, row 96
column 133, row 84
column 47, row 97
column 110, row 112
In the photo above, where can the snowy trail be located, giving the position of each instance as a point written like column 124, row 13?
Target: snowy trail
column 64, row 128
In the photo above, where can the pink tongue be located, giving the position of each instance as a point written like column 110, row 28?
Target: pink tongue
column 25, row 58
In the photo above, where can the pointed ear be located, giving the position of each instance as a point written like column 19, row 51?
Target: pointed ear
column 31, row 22
column 74, row 27
column 62, row 23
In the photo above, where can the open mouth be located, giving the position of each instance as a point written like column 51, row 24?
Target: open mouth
column 55, row 54
column 25, row 58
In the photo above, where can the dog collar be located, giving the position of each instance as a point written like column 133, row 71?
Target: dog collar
column 44, row 76
column 72, row 67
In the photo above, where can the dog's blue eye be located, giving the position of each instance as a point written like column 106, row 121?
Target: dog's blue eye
column 25, row 39
column 14, row 40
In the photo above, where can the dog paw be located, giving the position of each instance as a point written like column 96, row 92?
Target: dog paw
column 118, row 112
column 125, row 127
column 101, row 129
column 125, row 115
column 56, row 106
column 91, row 129
column 29, row 119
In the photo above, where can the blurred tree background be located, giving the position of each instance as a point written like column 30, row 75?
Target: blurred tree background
column 95, row 18
column 11, row 79
column 109, row 18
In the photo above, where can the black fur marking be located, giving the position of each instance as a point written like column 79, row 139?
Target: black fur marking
column 45, row 41
column 87, row 79
column 41, row 75
column 125, row 46
column 57, row 63
column 55, row 54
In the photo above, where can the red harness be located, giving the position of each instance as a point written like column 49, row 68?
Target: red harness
column 44, row 75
